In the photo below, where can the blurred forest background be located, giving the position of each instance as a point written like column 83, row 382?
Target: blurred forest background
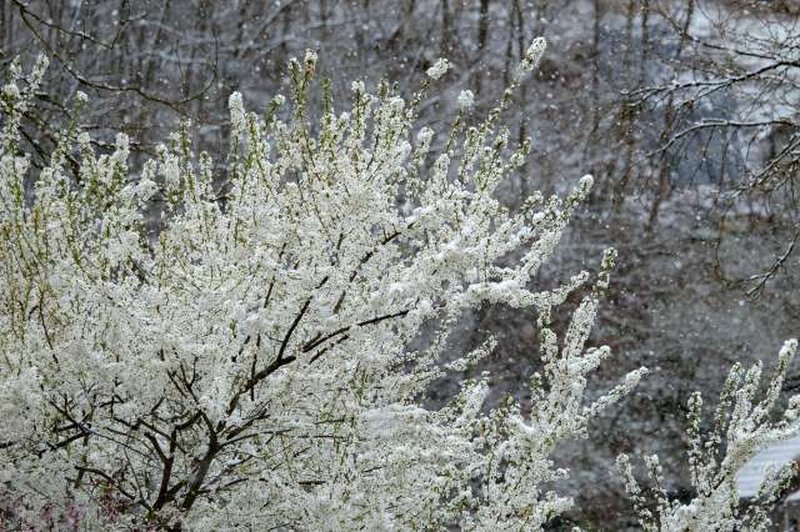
column 687, row 112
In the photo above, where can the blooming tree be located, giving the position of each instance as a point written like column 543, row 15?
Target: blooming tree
column 258, row 358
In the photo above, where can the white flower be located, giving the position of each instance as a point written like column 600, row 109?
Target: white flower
column 466, row 99
column 358, row 87
column 534, row 53
column 585, row 183
column 439, row 69
column 236, row 106
column 12, row 92
column 424, row 136
column 310, row 57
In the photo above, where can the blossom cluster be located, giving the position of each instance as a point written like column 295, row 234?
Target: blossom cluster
column 254, row 357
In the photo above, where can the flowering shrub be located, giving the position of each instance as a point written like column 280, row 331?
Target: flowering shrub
column 250, row 363
column 741, row 427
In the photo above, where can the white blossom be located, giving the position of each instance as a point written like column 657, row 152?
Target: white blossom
column 466, row 99
column 236, row 106
column 741, row 428
column 439, row 69
column 534, row 53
